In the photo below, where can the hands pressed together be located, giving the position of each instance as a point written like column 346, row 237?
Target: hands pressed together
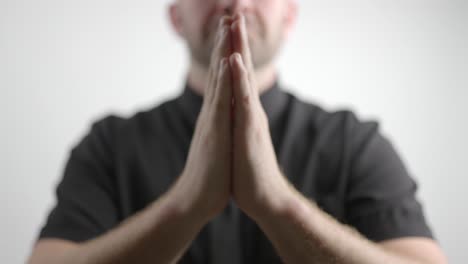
column 231, row 154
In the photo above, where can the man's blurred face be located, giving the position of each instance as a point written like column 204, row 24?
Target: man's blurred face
column 268, row 22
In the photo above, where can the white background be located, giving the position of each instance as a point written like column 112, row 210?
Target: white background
column 64, row 64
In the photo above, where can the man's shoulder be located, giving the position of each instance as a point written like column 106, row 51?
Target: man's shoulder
column 112, row 124
column 316, row 114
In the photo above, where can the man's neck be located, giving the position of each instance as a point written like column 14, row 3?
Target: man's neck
column 265, row 77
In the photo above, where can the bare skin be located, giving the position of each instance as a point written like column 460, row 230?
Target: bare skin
column 234, row 158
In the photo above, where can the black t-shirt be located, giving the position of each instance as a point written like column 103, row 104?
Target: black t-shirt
column 346, row 165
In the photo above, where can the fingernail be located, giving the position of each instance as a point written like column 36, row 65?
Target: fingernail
column 238, row 57
column 232, row 59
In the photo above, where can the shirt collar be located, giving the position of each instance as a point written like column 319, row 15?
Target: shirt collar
column 273, row 100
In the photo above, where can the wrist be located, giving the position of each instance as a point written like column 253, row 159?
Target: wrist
column 180, row 203
column 290, row 206
column 278, row 199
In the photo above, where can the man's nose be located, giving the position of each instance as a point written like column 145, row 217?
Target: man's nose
column 235, row 6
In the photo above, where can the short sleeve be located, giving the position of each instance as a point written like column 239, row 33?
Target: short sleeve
column 85, row 197
column 381, row 198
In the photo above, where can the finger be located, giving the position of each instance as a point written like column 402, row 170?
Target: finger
column 223, row 93
column 240, row 40
column 212, row 70
column 241, row 87
column 221, row 49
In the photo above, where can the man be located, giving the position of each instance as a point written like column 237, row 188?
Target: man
column 235, row 170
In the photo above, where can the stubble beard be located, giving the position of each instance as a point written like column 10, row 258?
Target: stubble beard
column 263, row 49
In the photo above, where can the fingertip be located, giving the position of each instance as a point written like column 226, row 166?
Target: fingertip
column 238, row 58
column 224, row 20
column 238, row 16
column 232, row 60
column 234, row 26
column 235, row 58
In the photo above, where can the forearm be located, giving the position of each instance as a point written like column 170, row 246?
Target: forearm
column 160, row 233
column 302, row 233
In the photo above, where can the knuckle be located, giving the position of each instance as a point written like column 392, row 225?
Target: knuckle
column 246, row 100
